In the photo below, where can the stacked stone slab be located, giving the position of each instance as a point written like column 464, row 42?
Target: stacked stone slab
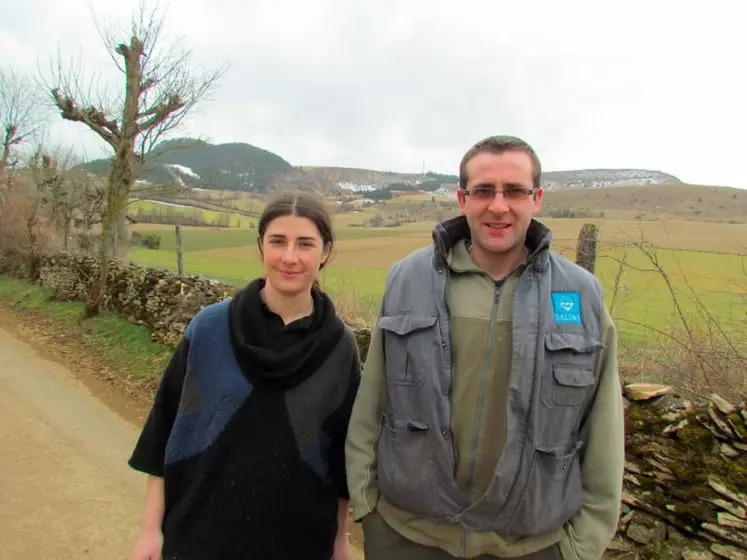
column 685, row 481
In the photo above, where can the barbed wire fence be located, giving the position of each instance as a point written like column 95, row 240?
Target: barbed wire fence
column 688, row 340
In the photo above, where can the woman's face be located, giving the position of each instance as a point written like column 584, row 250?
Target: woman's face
column 292, row 254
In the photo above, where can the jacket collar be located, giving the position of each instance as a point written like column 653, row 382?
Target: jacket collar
column 449, row 232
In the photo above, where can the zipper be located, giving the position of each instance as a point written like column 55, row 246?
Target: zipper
column 462, row 532
column 483, row 383
column 451, row 368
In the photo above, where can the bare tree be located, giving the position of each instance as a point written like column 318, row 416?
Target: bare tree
column 64, row 192
column 94, row 201
column 24, row 234
column 19, row 113
column 20, row 117
column 160, row 89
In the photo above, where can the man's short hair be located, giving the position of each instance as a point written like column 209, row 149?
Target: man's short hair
column 499, row 145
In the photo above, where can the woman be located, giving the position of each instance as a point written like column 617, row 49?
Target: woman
column 244, row 445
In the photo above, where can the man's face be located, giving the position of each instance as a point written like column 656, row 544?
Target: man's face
column 499, row 204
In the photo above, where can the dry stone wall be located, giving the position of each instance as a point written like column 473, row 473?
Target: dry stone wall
column 157, row 298
column 685, row 486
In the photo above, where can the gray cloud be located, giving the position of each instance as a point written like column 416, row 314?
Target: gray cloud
column 395, row 85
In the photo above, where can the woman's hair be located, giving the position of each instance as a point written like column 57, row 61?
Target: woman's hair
column 304, row 205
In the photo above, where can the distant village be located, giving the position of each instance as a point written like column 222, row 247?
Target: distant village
column 446, row 189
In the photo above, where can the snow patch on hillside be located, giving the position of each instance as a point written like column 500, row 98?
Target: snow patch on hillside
column 182, row 169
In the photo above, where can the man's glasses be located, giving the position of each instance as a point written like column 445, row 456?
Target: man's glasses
column 512, row 193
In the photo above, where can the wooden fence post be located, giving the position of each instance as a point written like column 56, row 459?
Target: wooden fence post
column 179, row 252
column 586, row 248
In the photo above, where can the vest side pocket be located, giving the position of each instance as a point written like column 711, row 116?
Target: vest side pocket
column 409, row 340
column 405, row 464
column 553, row 492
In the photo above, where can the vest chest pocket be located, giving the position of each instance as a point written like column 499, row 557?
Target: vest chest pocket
column 408, row 342
column 570, row 360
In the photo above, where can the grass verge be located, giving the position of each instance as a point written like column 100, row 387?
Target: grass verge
column 125, row 348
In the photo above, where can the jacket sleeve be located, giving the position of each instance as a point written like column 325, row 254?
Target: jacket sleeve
column 361, row 447
column 589, row 533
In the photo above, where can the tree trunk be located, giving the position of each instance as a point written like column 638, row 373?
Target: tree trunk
column 121, row 175
column 5, row 158
column 95, row 304
column 108, row 230
column 100, row 290
column 67, row 229
column 33, row 250
column 121, row 234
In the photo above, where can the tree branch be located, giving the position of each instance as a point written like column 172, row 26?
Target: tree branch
column 161, row 112
column 92, row 117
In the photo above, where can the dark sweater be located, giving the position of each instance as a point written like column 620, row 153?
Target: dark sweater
column 254, row 466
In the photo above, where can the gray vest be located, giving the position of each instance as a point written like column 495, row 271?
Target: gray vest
column 557, row 314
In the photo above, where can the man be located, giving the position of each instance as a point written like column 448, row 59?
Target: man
column 489, row 420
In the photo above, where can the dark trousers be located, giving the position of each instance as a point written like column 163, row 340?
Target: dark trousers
column 381, row 542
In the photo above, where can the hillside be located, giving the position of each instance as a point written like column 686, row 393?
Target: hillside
column 692, row 202
column 653, row 202
column 244, row 167
column 231, row 166
column 368, row 181
column 604, row 178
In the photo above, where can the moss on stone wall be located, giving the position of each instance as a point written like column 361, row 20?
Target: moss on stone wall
column 156, row 298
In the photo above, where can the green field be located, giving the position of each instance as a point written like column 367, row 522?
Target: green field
column 700, row 260
column 225, row 219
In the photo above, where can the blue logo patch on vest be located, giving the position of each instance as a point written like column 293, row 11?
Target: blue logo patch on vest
column 566, row 307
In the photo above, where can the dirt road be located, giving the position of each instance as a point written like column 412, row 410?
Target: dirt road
column 66, row 491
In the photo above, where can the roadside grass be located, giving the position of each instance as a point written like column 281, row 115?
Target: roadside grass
column 127, row 347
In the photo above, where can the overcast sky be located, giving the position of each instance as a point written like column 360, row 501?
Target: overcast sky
column 398, row 85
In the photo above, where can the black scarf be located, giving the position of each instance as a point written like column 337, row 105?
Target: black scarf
column 250, row 339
